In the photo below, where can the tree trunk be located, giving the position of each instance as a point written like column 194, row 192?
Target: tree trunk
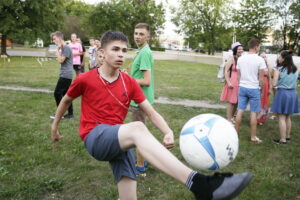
column 284, row 39
column 3, row 45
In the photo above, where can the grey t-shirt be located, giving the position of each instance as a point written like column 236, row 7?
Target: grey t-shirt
column 66, row 68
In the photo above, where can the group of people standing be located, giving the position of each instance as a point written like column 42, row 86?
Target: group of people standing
column 141, row 69
column 107, row 93
column 249, row 79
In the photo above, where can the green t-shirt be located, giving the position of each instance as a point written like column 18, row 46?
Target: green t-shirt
column 143, row 61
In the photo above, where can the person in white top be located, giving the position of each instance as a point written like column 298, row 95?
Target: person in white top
column 250, row 69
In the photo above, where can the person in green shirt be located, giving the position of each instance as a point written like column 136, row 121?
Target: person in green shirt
column 142, row 70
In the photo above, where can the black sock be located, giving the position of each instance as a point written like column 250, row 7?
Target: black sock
column 198, row 184
column 203, row 186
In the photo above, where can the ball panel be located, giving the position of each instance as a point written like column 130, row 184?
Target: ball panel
column 190, row 148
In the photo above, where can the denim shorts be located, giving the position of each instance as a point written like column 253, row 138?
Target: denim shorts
column 103, row 144
column 249, row 95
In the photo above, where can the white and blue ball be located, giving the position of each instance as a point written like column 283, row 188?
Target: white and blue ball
column 209, row 142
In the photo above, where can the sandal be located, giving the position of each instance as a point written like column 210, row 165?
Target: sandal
column 256, row 140
column 279, row 142
column 232, row 120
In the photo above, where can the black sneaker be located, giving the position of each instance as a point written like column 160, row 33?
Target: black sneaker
column 223, row 186
column 68, row 116
column 279, row 142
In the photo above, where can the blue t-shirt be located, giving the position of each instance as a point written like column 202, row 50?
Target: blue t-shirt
column 287, row 81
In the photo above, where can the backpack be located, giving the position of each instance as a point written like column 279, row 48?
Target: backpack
column 221, row 72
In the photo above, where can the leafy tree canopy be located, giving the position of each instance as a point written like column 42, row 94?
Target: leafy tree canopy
column 123, row 15
column 201, row 21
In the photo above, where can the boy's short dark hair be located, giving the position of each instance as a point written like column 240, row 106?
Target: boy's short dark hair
column 143, row 25
column 111, row 36
column 57, row 34
column 253, row 43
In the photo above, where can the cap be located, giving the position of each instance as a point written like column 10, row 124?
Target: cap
column 235, row 45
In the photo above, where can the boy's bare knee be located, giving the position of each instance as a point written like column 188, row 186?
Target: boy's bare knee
column 138, row 126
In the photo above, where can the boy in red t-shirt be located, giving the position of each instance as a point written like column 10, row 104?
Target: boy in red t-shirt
column 106, row 94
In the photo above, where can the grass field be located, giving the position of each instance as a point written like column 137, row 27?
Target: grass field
column 30, row 169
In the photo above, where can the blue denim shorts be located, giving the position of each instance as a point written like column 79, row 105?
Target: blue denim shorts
column 103, row 144
column 249, row 95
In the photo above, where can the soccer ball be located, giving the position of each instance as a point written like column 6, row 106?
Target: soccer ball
column 208, row 142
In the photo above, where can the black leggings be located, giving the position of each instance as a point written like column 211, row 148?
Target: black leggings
column 61, row 89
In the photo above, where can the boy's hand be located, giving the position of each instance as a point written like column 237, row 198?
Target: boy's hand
column 168, row 141
column 57, row 53
column 55, row 136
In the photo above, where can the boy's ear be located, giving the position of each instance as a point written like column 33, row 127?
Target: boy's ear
column 102, row 52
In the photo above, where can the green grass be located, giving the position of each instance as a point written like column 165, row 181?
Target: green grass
column 173, row 79
column 30, row 169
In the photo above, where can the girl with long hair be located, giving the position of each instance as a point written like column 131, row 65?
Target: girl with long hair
column 285, row 101
column 231, row 87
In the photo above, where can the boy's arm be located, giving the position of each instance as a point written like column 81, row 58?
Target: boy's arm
column 159, row 122
column 61, row 109
column 146, row 81
column 238, row 75
column 83, row 59
column 60, row 58
column 275, row 78
column 261, row 78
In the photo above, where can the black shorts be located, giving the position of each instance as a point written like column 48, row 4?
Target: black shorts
column 103, row 144
column 77, row 67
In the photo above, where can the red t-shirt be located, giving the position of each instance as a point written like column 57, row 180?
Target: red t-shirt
column 102, row 102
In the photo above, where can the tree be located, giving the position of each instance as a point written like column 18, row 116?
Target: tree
column 76, row 19
column 252, row 20
column 287, row 15
column 123, row 15
column 29, row 19
column 201, row 21
column 295, row 36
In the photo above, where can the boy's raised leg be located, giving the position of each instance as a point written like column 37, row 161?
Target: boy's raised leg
column 218, row 186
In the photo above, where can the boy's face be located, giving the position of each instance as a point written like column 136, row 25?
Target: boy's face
column 92, row 42
column 73, row 38
column 56, row 40
column 114, row 54
column 98, row 43
column 141, row 36
column 257, row 48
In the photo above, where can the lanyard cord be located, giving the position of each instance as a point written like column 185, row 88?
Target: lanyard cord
column 110, row 92
column 137, row 53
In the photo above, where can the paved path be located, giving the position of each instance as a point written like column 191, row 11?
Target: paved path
column 160, row 100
